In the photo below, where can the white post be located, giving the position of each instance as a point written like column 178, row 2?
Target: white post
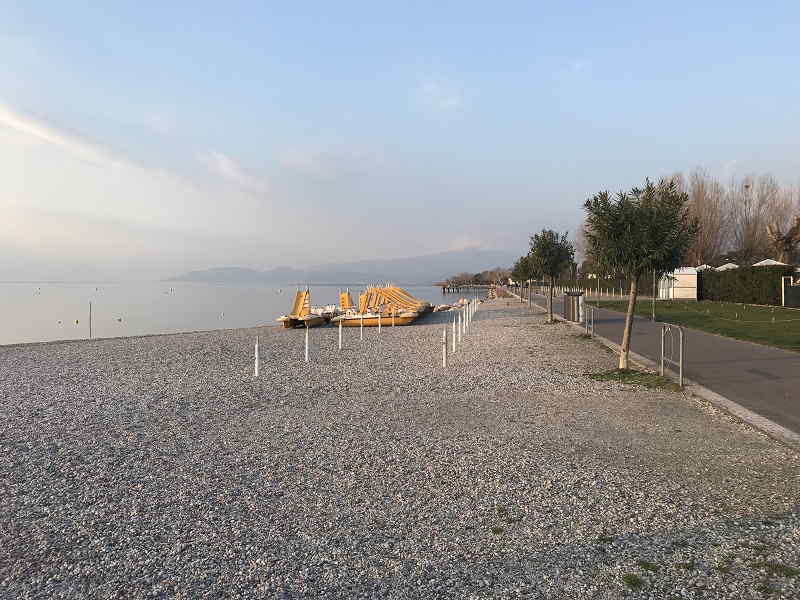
column 454, row 334
column 362, row 326
column 379, row 321
column 340, row 335
column 444, row 347
column 255, row 370
column 460, row 327
column 392, row 318
column 90, row 320
column 306, row 343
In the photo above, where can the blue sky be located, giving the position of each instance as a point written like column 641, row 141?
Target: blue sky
column 143, row 139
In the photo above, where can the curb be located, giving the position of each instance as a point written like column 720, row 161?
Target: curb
column 764, row 425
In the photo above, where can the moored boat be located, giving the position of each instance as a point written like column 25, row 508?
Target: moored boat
column 301, row 314
column 386, row 306
column 370, row 319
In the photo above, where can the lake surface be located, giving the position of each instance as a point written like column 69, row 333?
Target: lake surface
column 36, row 312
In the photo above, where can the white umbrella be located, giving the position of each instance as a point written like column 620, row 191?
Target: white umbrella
column 727, row 267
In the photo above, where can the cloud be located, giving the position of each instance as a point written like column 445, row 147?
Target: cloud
column 463, row 241
column 307, row 162
column 332, row 164
column 159, row 122
column 580, row 64
column 438, row 96
column 41, row 132
column 226, row 167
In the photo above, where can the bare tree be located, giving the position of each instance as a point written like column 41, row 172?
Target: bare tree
column 708, row 204
column 784, row 243
column 756, row 203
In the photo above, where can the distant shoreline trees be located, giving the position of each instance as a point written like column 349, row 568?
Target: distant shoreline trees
column 494, row 276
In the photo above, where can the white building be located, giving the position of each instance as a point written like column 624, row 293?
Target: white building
column 681, row 284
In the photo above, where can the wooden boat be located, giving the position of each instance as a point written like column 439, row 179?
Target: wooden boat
column 301, row 315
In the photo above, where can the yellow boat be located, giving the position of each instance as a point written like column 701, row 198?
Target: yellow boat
column 388, row 306
column 301, row 315
column 373, row 319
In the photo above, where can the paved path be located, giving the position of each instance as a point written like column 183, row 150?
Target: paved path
column 763, row 379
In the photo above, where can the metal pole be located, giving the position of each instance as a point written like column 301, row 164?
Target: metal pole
column 444, row 347
column 459, row 328
column 653, row 301
column 661, row 370
column 362, row 326
column 379, row 321
column 90, row 320
column 392, row 318
column 255, row 370
column 680, row 357
column 454, row 334
column 306, row 343
column 340, row 335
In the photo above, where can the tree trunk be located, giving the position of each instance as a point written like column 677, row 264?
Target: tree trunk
column 550, row 302
column 625, row 348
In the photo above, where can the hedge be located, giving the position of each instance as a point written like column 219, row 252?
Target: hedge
column 748, row 285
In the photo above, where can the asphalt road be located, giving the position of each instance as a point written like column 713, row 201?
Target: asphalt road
column 763, row 379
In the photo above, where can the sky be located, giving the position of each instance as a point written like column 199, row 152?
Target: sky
column 141, row 140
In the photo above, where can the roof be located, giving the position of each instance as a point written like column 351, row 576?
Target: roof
column 769, row 263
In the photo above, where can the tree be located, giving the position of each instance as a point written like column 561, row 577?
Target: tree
column 644, row 230
column 784, row 243
column 550, row 253
column 756, row 203
column 709, row 204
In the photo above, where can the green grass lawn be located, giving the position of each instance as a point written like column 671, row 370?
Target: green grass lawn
column 743, row 322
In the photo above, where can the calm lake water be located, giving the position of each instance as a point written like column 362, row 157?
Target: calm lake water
column 36, row 312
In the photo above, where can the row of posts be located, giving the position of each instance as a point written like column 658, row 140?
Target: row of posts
column 462, row 322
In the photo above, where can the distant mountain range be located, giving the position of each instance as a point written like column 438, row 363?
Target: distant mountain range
column 417, row 269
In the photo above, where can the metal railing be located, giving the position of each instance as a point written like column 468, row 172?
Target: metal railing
column 669, row 329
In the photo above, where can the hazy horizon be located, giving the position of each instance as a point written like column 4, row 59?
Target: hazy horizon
column 144, row 141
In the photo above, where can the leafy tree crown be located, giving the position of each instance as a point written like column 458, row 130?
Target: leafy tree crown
column 645, row 229
column 550, row 253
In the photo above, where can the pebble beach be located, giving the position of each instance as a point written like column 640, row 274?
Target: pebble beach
column 160, row 467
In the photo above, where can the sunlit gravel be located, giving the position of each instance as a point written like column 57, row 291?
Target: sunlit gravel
column 159, row 467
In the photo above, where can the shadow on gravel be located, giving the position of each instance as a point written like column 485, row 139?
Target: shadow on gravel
column 732, row 557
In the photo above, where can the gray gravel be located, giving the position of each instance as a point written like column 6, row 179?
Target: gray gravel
column 159, row 467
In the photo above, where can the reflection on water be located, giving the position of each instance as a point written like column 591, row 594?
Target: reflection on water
column 34, row 312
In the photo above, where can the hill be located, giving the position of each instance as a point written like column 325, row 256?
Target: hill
column 416, row 269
